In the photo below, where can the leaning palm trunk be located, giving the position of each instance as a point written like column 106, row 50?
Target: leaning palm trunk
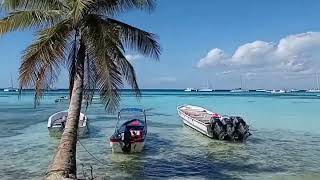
column 64, row 162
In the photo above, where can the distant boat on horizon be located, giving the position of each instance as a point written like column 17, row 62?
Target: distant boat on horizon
column 317, row 90
column 207, row 89
column 190, row 90
column 277, row 91
column 239, row 90
column 261, row 90
column 294, row 90
column 11, row 88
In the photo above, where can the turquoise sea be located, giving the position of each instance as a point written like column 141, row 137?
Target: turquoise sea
column 285, row 143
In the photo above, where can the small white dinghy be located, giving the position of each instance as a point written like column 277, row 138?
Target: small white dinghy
column 232, row 128
column 57, row 121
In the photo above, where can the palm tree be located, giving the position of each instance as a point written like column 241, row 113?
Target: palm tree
column 84, row 36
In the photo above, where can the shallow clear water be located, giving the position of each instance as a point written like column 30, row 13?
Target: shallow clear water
column 284, row 144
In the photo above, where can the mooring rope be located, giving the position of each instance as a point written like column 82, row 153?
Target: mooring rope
column 96, row 159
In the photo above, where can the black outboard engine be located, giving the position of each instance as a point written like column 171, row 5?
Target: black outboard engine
column 241, row 128
column 127, row 141
column 229, row 128
column 217, row 128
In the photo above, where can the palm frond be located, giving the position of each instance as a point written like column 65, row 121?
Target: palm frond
column 112, row 7
column 42, row 59
column 21, row 20
column 108, row 77
column 13, row 5
column 136, row 39
column 79, row 9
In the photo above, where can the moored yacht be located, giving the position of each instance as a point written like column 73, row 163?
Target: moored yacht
column 207, row 88
column 261, row 90
column 190, row 90
column 11, row 88
column 316, row 90
column 239, row 90
column 278, row 91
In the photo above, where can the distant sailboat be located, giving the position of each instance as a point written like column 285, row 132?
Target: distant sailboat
column 190, row 90
column 11, row 89
column 207, row 89
column 275, row 91
column 317, row 90
column 261, row 90
column 239, row 90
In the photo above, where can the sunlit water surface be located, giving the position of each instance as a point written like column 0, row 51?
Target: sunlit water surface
column 284, row 144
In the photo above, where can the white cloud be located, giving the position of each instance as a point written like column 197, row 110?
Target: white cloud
column 214, row 57
column 294, row 53
column 133, row 57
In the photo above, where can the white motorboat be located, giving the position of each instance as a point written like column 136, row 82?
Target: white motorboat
column 130, row 132
column 62, row 99
column 190, row 90
column 261, row 90
column 10, row 90
column 206, row 90
column 275, row 91
column 213, row 125
column 239, row 90
column 294, row 90
column 57, row 122
column 313, row 91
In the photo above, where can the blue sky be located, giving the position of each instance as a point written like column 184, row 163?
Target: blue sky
column 271, row 44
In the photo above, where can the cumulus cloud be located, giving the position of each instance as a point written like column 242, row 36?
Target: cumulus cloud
column 294, row 53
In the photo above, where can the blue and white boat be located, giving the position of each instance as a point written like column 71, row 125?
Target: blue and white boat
column 130, row 131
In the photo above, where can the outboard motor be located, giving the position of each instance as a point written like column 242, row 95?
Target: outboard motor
column 127, row 141
column 241, row 128
column 217, row 128
column 228, row 127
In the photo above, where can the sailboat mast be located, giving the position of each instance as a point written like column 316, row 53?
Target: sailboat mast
column 241, row 81
column 11, row 80
column 318, row 86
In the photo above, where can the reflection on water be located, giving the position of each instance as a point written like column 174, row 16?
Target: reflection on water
column 284, row 144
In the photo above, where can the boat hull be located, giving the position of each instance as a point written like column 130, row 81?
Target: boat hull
column 136, row 147
column 205, row 129
column 57, row 131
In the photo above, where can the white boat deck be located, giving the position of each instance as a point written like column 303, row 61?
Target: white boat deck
column 198, row 114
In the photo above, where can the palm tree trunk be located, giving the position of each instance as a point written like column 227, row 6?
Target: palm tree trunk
column 64, row 162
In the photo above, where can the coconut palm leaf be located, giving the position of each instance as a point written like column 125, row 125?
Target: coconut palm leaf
column 42, row 59
column 112, row 7
column 21, row 20
column 13, row 5
column 136, row 39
